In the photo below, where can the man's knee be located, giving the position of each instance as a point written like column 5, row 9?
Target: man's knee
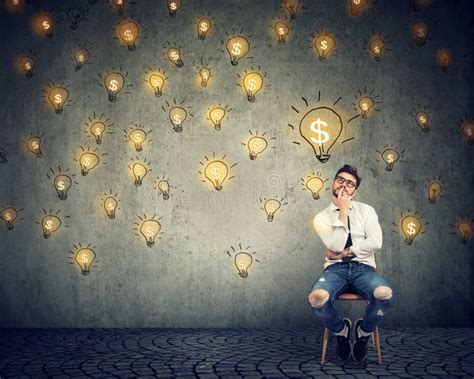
column 383, row 293
column 318, row 298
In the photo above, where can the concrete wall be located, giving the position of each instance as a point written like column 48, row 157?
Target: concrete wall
column 188, row 278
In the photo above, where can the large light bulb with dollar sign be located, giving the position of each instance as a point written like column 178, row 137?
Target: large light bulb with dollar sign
column 253, row 82
column 177, row 116
column 256, row 145
column 411, row 227
column 157, row 82
column 292, row 7
column 129, row 32
column 139, row 172
column 356, row 6
column 110, row 206
column 9, row 215
column 62, row 183
column 138, row 137
column 365, row 105
column 174, row 55
column 467, row 131
column 84, row 257
column 281, row 30
column 270, row 207
column 33, row 145
column 422, row 119
column 81, row 56
column 242, row 262
column 390, row 157
column 434, row 191
column 44, row 23
column 420, row 32
column 205, row 75
column 174, row 6
column 149, row 230
column 376, row 47
column 203, row 27
column 50, row 224
column 97, row 129
column 114, row 82
column 216, row 115
column 216, row 172
column 88, row 161
column 324, row 45
column 164, row 187
column 315, row 184
column 321, row 128
column 237, row 47
column 28, row 64
column 464, row 229
column 57, row 97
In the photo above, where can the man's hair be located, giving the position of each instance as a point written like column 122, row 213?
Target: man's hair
column 350, row 170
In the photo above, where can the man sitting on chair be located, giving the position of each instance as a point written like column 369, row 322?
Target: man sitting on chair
column 351, row 232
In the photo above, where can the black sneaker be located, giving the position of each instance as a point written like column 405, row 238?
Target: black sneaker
column 361, row 344
column 343, row 346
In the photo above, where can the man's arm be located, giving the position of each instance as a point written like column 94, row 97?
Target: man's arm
column 334, row 236
column 373, row 239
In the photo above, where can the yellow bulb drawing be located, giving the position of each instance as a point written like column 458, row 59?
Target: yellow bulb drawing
column 256, row 145
column 164, row 187
column 390, row 157
column 33, row 145
column 464, row 229
column 434, row 191
column 271, row 206
column 292, row 7
column 242, row 262
column 28, row 64
column 62, row 183
column 365, row 105
column 88, row 161
column 84, row 258
column 252, row 83
column 129, row 32
column 149, row 230
column 205, row 75
column 57, row 97
column 467, row 131
column 376, row 47
column 177, row 116
column 9, row 215
column 114, row 82
column 174, row 6
column 216, row 115
column 411, row 227
column 97, row 129
column 203, row 27
column 81, row 56
column 422, row 119
column 50, row 224
column 324, row 45
column 216, row 172
column 356, row 6
column 281, row 30
column 237, row 47
column 45, row 24
column 444, row 59
column 139, row 172
column 110, row 206
column 315, row 185
column 138, row 137
column 174, row 55
column 157, row 82
column 420, row 32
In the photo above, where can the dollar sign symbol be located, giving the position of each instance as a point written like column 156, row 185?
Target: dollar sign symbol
column 376, row 49
column 218, row 115
column 110, row 206
column 149, row 231
column 175, row 55
column 28, row 66
column 8, row 217
column 281, row 31
column 113, row 85
column 324, row 44
column 128, row 35
column 58, row 99
column 204, row 75
column 84, row 258
column 177, row 119
column 236, row 48
column 390, row 158
column 356, row 2
column 255, row 146
column 203, row 27
column 46, row 25
column 215, row 173
column 35, row 145
column 323, row 136
column 156, row 82
column 411, row 228
column 365, row 106
column 49, row 224
column 81, row 58
column 469, row 132
column 421, row 32
column 173, row 6
column 15, row 2
column 119, row 2
column 422, row 119
column 87, row 161
column 138, row 137
column 251, row 84
column 61, row 185
column 97, row 131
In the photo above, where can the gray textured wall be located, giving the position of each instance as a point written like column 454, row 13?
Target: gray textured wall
column 188, row 278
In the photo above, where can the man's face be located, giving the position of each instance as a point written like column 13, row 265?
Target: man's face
column 344, row 182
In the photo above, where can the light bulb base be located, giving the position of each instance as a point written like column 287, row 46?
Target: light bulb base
column 178, row 129
column 179, row 64
column 270, row 218
column 112, row 98
column 85, row 272
column 138, row 182
column 408, row 242
column 172, row 14
column 166, row 196
column 251, row 98
column 217, row 127
column 203, row 84
column 243, row 274
column 84, row 173
column 218, row 188
column 389, row 168
column 432, row 201
column 111, row 216
column 58, row 111
column 46, row 236
column 131, row 47
column 252, row 157
column 158, row 93
column 426, row 130
column 10, row 226
column 316, row 196
column 39, row 155
column 323, row 158
column 29, row 74
column 150, row 243
column 234, row 62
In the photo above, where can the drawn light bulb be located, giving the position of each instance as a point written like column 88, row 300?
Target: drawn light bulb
column 292, row 7
column 376, row 47
column 253, row 83
column 356, row 6
column 84, row 257
column 50, row 224
column 216, row 172
column 467, row 131
column 177, row 116
column 422, row 119
column 139, row 172
column 281, row 30
column 81, row 56
column 315, row 185
column 174, row 6
column 44, row 23
column 324, row 45
column 216, row 115
column 164, row 187
column 110, row 206
column 464, row 229
column 256, row 145
column 138, row 137
column 15, row 5
column 321, row 128
column 97, row 129
column 75, row 15
column 237, row 47
column 33, row 145
column 57, row 97
column 129, row 32
column 390, row 157
column 114, row 82
column 28, row 64
column 411, row 227
column 271, row 206
column 205, row 75
column 420, row 32
column 62, row 183
column 434, row 191
column 88, row 161
column 365, row 105
column 3, row 155
column 203, row 27
column 174, row 55
column 149, row 230
column 157, row 82
column 444, row 59
column 243, row 261
column 9, row 215
column 119, row 5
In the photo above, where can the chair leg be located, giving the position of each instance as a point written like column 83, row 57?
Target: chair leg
column 377, row 345
column 325, row 345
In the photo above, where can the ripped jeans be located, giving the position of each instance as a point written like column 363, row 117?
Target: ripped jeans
column 351, row 277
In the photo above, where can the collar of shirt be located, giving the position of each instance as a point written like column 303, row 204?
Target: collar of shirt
column 333, row 207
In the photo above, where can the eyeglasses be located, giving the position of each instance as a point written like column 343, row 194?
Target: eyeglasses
column 341, row 180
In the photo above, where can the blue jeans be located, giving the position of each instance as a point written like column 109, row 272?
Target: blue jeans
column 351, row 277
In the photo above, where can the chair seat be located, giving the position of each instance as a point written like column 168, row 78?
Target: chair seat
column 350, row 296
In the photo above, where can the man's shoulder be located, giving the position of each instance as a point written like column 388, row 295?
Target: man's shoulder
column 324, row 212
column 363, row 206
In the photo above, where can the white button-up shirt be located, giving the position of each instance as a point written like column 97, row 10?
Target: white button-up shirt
column 366, row 232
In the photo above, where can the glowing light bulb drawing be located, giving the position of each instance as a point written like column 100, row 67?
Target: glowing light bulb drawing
column 464, row 230
column 216, row 115
column 33, row 145
column 81, row 56
column 174, row 55
column 75, row 15
column 365, row 105
column 434, row 191
column 84, row 257
column 422, row 119
column 315, row 185
column 390, row 157
column 237, row 47
column 177, row 116
column 149, row 230
column 203, row 27
column 14, row 5
column 110, row 206
column 138, row 137
column 139, row 172
column 9, row 216
column 292, row 6
column 119, row 5
column 62, row 183
column 281, row 29
column 50, row 224
column 205, row 74
column 420, row 31
column 97, row 129
column 57, row 97
column 324, row 44
column 44, row 24
column 164, row 187
column 357, row 6
column 114, row 82
column 157, row 82
column 467, row 130
column 216, row 172
column 411, row 227
column 242, row 262
column 256, row 145
column 129, row 32
column 376, row 47
column 444, row 58
column 28, row 64
column 252, row 83
column 270, row 207
column 174, row 6
column 88, row 161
